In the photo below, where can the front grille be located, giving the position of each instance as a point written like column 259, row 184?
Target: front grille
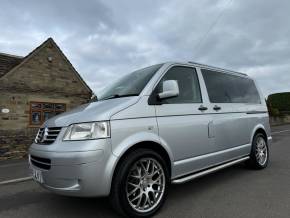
column 40, row 162
column 46, row 135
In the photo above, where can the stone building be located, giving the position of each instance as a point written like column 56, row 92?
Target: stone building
column 32, row 89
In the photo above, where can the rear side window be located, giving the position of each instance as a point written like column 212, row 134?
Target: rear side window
column 189, row 90
column 226, row 88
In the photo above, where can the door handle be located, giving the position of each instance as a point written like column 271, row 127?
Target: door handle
column 202, row 108
column 217, row 108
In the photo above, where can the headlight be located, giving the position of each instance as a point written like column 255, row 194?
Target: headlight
column 85, row 131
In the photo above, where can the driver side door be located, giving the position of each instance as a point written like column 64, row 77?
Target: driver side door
column 183, row 121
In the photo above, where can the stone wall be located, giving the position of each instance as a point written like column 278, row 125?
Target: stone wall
column 274, row 121
column 15, row 143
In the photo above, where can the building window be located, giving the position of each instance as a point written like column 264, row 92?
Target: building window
column 42, row 111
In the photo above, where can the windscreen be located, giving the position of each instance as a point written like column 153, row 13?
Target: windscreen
column 131, row 84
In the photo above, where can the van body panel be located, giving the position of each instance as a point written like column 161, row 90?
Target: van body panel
column 189, row 166
column 185, row 129
column 140, row 109
column 132, row 131
column 230, row 125
column 136, row 124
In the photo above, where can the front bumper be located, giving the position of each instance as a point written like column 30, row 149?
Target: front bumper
column 74, row 172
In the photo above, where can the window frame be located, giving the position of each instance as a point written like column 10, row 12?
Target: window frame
column 234, row 75
column 153, row 96
column 42, row 111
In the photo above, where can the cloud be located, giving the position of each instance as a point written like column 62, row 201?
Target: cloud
column 106, row 39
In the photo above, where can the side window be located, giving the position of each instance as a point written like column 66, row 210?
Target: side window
column 226, row 88
column 189, row 90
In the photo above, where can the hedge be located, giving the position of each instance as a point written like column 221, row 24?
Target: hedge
column 280, row 101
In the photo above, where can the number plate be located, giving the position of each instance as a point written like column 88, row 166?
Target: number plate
column 37, row 175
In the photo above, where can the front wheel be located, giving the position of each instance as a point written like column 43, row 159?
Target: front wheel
column 140, row 184
column 259, row 157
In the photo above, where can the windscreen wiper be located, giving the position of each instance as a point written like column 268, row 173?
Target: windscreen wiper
column 119, row 96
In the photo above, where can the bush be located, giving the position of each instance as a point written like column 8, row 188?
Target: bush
column 279, row 103
column 275, row 112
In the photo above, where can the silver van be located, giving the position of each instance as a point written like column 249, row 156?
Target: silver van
column 165, row 124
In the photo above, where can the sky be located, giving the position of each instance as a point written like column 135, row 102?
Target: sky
column 107, row 39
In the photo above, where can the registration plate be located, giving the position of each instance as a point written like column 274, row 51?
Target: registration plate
column 37, row 175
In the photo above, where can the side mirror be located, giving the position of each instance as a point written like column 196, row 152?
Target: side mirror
column 169, row 89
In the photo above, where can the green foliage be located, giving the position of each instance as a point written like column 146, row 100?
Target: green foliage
column 279, row 102
column 275, row 112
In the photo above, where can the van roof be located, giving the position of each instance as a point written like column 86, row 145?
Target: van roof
column 217, row 68
column 212, row 67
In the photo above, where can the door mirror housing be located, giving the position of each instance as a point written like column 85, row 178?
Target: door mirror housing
column 169, row 89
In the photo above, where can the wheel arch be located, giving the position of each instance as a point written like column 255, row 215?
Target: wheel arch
column 259, row 129
column 152, row 145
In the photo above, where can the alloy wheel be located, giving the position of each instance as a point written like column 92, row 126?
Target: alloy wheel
column 145, row 185
column 261, row 151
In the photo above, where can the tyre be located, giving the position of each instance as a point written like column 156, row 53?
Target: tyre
column 259, row 156
column 140, row 184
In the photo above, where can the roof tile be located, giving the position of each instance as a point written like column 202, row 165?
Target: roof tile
column 7, row 62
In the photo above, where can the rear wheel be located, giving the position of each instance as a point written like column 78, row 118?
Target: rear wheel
column 259, row 157
column 140, row 184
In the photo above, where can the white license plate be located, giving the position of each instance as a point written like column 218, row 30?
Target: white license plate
column 37, row 175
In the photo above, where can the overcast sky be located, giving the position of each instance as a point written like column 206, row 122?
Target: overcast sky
column 107, row 39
